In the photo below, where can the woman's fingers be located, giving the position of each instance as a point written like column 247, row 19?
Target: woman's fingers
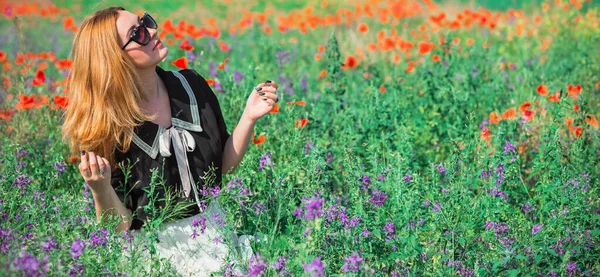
column 93, row 164
column 269, row 102
column 271, row 96
column 268, row 93
column 101, row 167
column 268, row 83
column 84, row 168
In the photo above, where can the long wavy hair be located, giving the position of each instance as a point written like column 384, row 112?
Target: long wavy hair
column 105, row 90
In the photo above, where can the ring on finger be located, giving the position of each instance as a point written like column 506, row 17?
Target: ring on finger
column 102, row 171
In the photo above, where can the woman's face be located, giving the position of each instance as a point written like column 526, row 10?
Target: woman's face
column 143, row 56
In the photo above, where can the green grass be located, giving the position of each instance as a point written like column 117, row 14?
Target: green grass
column 404, row 178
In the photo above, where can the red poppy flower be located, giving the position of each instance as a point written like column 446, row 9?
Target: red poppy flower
column 574, row 91
column 524, row 106
column 322, row 74
column 509, row 114
column 350, row 62
column 222, row 65
column 64, row 64
column 554, row 97
column 426, row 47
column 299, row 103
column 261, row 139
column 25, row 102
column 40, row 78
column 185, row 45
column 275, row 109
column 6, row 114
column 591, row 120
column 61, row 101
column 542, row 90
column 363, row 28
column 528, row 115
column 494, row 118
column 301, row 123
column 181, row 63
column 485, row 133
column 569, row 121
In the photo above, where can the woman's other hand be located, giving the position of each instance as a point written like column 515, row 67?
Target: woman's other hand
column 95, row 170
column 262, row 100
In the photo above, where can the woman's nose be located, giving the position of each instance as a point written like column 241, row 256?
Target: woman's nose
column 153, row 33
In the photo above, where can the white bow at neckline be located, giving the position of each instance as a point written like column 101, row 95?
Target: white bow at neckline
column 182, row 142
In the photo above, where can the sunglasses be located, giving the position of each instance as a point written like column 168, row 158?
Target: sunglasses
column 140, row 34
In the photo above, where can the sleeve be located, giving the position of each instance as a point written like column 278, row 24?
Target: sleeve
column 214, row 102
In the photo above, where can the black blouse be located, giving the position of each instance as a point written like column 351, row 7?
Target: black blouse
column 196, row 114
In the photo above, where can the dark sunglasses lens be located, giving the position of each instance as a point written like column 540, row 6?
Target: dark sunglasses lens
column 141, row 35
column 149, row 21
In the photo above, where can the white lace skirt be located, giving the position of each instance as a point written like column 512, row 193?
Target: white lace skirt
column 200, row 245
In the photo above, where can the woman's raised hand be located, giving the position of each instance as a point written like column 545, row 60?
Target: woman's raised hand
column 95, row 170
column 262, row 100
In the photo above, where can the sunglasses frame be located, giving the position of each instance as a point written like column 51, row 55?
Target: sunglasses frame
column 144, row 28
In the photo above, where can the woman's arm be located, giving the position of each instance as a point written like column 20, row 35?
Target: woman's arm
column 97, row 173
column 107, row 202
column 237, row 144
column 260, row 102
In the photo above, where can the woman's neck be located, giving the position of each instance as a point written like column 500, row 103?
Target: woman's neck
column 150, row 83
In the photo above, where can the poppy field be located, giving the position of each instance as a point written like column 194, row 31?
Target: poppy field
column 411, row 138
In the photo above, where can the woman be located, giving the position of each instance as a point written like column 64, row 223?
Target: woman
column 124, row 108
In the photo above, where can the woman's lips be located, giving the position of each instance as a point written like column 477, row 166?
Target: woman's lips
column 159, row 43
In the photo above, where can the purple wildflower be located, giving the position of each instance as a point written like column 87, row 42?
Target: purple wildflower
column 303, row 83
column 441, row 169
column 536, row 229
column 352, row 263
column 307, row 231
column 213, row 69
column 30, row 265
column 265, row 160
column 509, row 147
column 309, row 145
column 60, row 167
column 496, row 192
column 77, row 248
column 313, row 208
column 366, row 180
column 299, row 213
column 407, row 178
column 365, row 233
column 436, row 207
column 77, row 270
column 315, row 266
column 100, row 238
column 49, row 245
column 237, row 76
column 329, row 157
column 191, row 56
column 573, row 269
column 21, row 152
column 483, row 124
column 257, row 265
column 280, row 266
column 282, row 58
column 389, row 230
column 378, row 198
column 484, row 173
